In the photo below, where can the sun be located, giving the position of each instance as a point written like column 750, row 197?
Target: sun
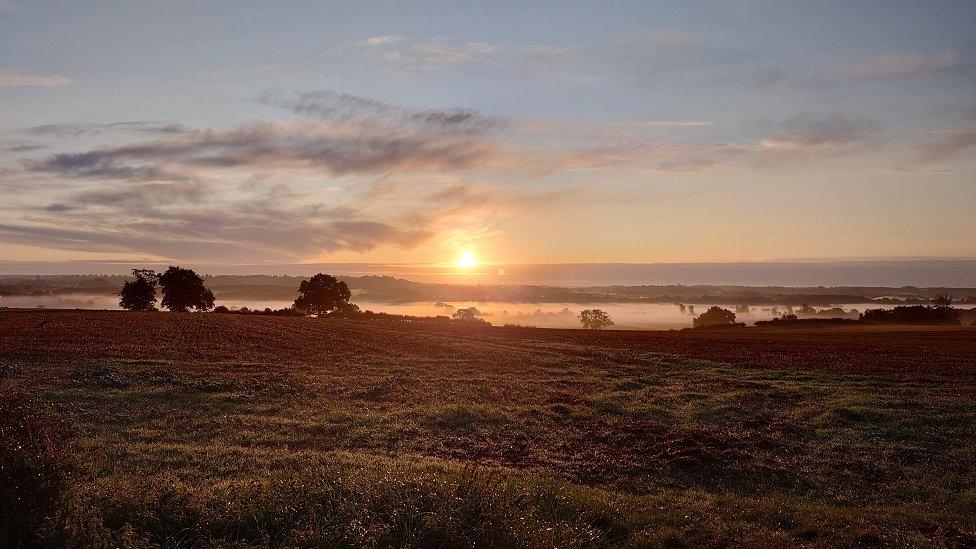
column 467, row 260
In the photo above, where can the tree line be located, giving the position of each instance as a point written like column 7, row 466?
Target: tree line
column 184, row 290
column 322, row 295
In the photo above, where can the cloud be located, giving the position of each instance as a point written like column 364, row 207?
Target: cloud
column 829, row 130
column 237, row 231
column 946, row 145
column 329, row 105
column 318, row 147
column 103, row 164
column 222, row 194
column 425, row 54
column 144, row 196
column 436, row 53
column 20, row 146
column 7, row 6
column 884, row 66
column 671, row 123
column 686, row 165
column 14, row 79
column 465, row 198
column 88, row 128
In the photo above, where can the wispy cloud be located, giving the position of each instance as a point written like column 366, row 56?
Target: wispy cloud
column 433, row 53
column 191, row 221
column 20, row 146
column 822, row 130
column 304, row 146
column 671, row 123
column 89, row 128
column 894, row 65
column 341, row 107
column 216, row 193
column 946, row 145
column 336, row 178
column 425, row 54
column 216, row 235
column 143, row 196
column 19, row 79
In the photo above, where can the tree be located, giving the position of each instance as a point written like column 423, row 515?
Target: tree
column 594, row 319
column 714, row 316
column 322, row 294
column 943, row 301
column 183, row 290
column 468, row 314
column 139, row 294
column 347, row 310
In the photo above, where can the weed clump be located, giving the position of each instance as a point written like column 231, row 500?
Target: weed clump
column 33, row 468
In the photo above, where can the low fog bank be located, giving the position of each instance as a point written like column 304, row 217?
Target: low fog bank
column 959, row 273
column 94, row 291
column 637, row 307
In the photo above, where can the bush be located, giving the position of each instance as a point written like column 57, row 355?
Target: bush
column 715, row 316
column 915, row 314
column 470, row 315
column 33, row 469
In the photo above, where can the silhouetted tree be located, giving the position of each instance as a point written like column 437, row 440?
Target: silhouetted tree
column 322, row 294
column 468, row 314
column 714, row 316
column 943, row 301
column 594, row 319
column 183, row 290
column 139, row 294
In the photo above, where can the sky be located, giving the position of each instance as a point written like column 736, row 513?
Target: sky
column 245, row 133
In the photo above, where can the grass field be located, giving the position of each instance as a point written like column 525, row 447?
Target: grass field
column 203, row 429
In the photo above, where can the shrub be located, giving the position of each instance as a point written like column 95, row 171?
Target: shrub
column 33, row 468
column 915, row 314
column 469, row 315
column 714, row 316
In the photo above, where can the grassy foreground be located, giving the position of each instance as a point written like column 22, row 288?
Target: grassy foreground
column 381, row 435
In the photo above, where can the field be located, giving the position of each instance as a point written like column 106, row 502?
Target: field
column 204, row 429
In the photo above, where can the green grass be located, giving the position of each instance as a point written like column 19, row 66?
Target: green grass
column 554, row 446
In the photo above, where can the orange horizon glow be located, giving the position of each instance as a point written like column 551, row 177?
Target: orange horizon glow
column 467, row 260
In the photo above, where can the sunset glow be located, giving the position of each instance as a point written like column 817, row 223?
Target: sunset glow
column 453, row 133
column 467, row 260
column 474, row 273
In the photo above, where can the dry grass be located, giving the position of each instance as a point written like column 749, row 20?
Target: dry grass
column 214, row 430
